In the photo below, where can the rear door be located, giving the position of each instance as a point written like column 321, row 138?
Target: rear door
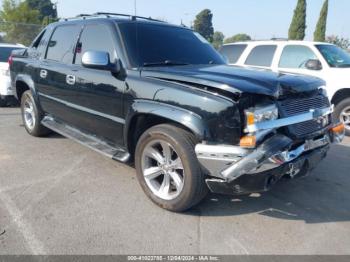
column 261, row 56
column 100, row 92
column 55, row 87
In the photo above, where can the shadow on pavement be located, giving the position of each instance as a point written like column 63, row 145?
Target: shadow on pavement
column 323, row 196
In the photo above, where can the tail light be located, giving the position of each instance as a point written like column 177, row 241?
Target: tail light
column 10, row 60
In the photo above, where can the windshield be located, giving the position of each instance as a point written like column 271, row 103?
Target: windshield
column 335, row 56
column 163, row 45
column 5, row 53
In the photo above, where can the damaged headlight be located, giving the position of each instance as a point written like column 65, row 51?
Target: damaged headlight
column 256, row 115
column 261, row 114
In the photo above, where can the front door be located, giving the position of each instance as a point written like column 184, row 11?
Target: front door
column 100, row 92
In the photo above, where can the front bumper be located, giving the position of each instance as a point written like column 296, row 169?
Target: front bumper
column 242, row 171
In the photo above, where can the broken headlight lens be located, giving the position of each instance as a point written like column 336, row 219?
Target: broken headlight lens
column 261, row 114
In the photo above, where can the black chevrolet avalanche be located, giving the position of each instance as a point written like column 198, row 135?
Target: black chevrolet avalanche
column 144, row 91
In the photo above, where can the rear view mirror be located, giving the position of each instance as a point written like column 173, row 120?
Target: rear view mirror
column 99, row 60
column 313, row 64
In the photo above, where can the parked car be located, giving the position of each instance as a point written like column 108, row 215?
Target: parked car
column 6, row 92
column 322, row 60
column 137, row 89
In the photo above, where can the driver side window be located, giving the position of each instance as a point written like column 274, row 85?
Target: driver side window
column 296, row 56
column 95, row 37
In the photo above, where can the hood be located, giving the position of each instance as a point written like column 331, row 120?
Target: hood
column 235, row 79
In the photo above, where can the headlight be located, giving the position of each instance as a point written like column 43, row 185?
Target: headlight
column 261, row 114
column 257, row 115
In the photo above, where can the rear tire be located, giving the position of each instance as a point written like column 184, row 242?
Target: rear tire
column 342, row 114
column 32, row 116
column 168, row 169
column 3, row 102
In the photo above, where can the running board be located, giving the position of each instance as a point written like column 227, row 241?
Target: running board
column 89, row 141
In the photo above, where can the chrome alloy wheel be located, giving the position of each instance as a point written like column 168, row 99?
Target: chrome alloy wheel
column 162, row 169
column 345, row 117
column 29, row 114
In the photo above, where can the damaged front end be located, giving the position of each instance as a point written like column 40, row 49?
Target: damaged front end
column 286, row 138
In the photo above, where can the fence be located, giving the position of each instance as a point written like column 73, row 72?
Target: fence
column 20, row 33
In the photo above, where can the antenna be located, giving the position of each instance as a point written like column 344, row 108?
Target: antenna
column 135, row 7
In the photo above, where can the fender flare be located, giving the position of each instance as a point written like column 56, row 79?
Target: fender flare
column 29, row 82
column 184, row 117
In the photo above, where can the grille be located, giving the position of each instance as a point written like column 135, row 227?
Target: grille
column 292, row 107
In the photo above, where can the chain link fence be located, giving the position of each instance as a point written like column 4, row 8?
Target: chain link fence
column 19, row 33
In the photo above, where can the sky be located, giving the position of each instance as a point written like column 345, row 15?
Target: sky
column 261, row 19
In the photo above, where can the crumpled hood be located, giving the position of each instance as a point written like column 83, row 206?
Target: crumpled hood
column 236, row 80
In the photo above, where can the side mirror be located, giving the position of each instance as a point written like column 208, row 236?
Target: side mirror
column 100, row 60
column 313, row 64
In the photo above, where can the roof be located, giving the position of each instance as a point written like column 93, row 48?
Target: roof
column 269, row 42
column 114, row 17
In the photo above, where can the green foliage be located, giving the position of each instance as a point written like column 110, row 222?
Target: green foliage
column 298, row 26
column 218, row 39
column 339, row 41
column 238, row 38
column 320, row 32
column 47, row 10
column 19, row 22
column 203, row 24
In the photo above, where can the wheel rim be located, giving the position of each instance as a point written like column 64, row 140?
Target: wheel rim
column 29, row 114
column 162, row 169
column 345, row 117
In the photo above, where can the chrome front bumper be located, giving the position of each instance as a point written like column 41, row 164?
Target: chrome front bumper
column 231, row 162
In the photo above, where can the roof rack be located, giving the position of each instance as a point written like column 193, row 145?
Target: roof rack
column 279, row 39
column 108, row 15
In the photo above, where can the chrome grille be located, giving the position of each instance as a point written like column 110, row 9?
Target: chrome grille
column 292, row 107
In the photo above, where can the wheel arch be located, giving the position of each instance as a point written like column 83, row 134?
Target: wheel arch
column 145, row 114
column 340, row 95
column 24, row 83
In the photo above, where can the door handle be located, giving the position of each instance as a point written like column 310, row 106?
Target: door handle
column 70, row 79
column 43, row 73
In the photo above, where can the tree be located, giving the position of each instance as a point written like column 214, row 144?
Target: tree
column 19, row 22
column 339, row 41
column 238, row 38
column 218, row 39
column 320, row 32
column 298, row 26
column 47, row 10
column 203, row 24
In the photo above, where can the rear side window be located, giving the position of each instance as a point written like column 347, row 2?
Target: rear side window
column 261, row 55
column 296, row 56
column 232, row 52
column 95, row 38
column 62, row 43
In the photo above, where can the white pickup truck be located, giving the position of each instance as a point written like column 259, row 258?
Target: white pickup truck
column 322, row 60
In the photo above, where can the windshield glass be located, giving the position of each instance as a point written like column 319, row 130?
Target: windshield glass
column 5, row 53
column 335, row 56
column 157, row 45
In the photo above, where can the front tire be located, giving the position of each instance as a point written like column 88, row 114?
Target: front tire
column 168, row 169
column 342, row 114
column 32, row 116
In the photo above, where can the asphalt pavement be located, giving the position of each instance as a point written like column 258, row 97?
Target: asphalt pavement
column 58, row 197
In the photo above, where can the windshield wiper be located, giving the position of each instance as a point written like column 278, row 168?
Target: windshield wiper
column 165, row 63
